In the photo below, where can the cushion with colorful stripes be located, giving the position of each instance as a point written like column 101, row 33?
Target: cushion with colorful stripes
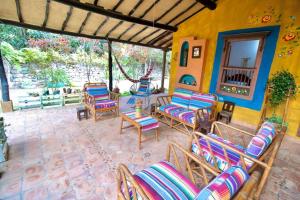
column 199, row 100
column 217, row 151
column 260, row 142
column 162, row 181
column 105, row 104
column 171, row 109
column 146, row 121
column 224, row 186
column 181, row 97
column 100, row 91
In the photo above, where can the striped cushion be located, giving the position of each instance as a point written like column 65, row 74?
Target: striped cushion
column 144, row 86
column 100, row 91
column 260, row 142
column 163, row 181
column 147, row 122
column 218, row 152
column 171, row 109
column 224, row 186
column 199, row 100
column 187, row 116
column 105, row 104
column 181, row 97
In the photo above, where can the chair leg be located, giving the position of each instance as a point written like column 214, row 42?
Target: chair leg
column 156, row 134
column 140, row 137
column 121, row 127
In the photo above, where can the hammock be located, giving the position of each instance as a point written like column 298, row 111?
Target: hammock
column 149, row 70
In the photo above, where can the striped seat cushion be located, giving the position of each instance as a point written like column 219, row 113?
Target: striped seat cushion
column 162, row 181
column 199, row 100
column 146, row 122
column 260, row 142
column 224, row 186
column 186, row 116
column 144, row 86
column 218, row 152
column 99, row 91
column 181, row 97
column 105, row 104
column 171, row 109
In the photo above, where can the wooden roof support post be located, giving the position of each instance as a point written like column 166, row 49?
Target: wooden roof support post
column 110, row 65
column 163, row 72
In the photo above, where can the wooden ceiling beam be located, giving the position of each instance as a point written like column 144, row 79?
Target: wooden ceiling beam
column 100, row 26
column 121, row 22
column 117, row 5
column 190, row 16
column 142, row 16
column 56, row 31
column 19, row 12
column 208, row 4
column 116, row 15
column 177, row 3
column 46, row 13
column 165, row 42
column 84, row 22
column 160, row 37
column 64, row 25
column 96, row 2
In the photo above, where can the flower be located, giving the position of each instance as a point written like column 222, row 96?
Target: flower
column 266, row 19
column 289, row 36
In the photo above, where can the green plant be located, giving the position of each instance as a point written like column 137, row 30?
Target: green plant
column 282, row 84
column 277, row 120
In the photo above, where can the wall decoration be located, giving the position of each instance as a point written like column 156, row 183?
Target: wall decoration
column 290, row 38
column 267, row 16
column 196, row 52
column 190, row 67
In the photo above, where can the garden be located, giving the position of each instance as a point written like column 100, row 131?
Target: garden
column 41, row 64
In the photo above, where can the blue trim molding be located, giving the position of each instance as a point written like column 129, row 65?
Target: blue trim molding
column 264, row 70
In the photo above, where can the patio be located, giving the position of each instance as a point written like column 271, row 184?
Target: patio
column 55, row 156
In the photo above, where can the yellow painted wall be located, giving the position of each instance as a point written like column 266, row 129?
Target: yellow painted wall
column 234, row 15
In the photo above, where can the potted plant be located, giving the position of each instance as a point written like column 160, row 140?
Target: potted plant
column 282, row 86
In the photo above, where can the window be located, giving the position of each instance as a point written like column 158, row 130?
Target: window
column 184, row 54
column 240, row 64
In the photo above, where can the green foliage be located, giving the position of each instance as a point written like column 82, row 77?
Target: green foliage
column 281, row 83
column 277, row 120
column 13, row 35
column 13, row 56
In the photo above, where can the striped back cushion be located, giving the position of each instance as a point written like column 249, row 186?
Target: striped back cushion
column 218, row 152
column 224, row 186
column 100, row 91
column 260, row 142
column 199, row 100
column 181, row 97
column 163, row 181
column 144, row 86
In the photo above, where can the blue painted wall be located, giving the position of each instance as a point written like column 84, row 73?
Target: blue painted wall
column 266, row 62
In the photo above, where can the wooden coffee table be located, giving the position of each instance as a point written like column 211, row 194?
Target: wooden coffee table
column 143, row 124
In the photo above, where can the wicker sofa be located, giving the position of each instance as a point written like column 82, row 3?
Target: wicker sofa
column 252, row 152
column 185, row 110
column 173, row 179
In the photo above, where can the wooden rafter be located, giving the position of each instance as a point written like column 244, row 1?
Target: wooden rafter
column 177, row 3
column 165, row 42
column 165, row 33
column 142, row 16
column 46, row 13
column 190, row 16
column 121, row 22
column 96, row 2
column 116, row 15
column 117, row 5
column 84, row 22
column 208, row 4
column 106, row 19
column 56, row 31
column 19, row 12
column 64, row 25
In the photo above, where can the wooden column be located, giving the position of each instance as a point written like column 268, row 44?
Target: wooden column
column 110, row 65
column 163, row 72
column 4, row 82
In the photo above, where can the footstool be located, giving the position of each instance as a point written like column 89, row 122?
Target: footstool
column 82, row 112
column 143, row 124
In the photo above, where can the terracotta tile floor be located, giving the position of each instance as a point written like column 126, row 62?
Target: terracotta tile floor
column 55, row 156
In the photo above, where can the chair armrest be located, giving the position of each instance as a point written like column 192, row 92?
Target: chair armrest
column 89, row 99
column 163, row 100
column 114, row 96
column 127, row 185
column 248, row 189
